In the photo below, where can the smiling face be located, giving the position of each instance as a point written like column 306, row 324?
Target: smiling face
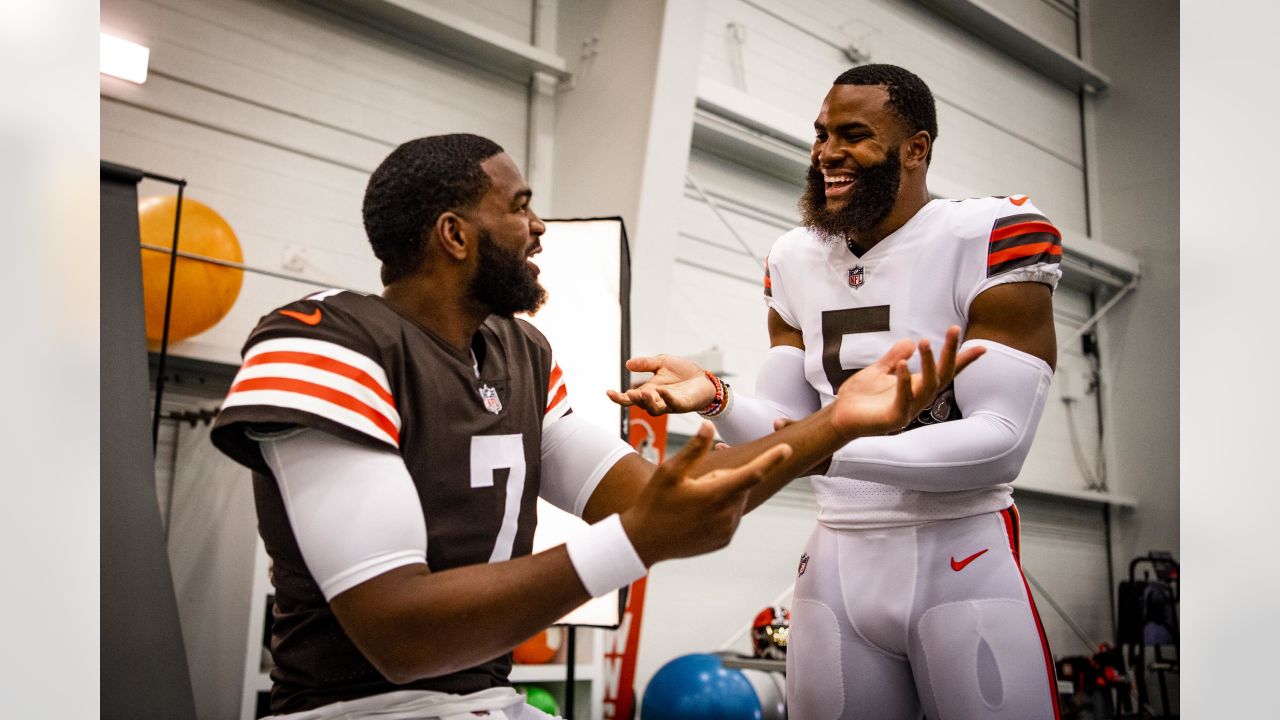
column 508, row 236
column 856, row 162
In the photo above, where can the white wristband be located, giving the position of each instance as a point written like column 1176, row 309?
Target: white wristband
column 604, row 557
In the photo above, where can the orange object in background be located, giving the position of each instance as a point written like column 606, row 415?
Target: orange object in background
column 203, row 293
column 540, row 648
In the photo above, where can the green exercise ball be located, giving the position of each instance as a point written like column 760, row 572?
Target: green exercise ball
column 540, row 698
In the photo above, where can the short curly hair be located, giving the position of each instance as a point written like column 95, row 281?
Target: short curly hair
column 411, row 188
column 909, row 98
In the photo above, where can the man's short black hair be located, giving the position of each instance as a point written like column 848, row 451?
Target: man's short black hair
column 411, row 188
column 909, row 97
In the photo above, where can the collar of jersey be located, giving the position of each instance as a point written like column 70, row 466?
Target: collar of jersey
column 839, row 256
column 466, row 358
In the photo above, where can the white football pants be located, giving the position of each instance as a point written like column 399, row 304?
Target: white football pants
column 934, row 619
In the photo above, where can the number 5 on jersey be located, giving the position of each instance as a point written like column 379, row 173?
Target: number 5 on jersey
column 836, row 324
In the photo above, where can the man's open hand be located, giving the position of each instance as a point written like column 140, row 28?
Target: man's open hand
column 678, row 386
column 884, row 396
column 681, row 516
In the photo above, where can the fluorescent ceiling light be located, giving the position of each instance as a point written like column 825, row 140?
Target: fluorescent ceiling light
column 123, row 59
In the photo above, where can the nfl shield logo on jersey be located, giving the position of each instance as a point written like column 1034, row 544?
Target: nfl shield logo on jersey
column 490, row 397
column 855, row 277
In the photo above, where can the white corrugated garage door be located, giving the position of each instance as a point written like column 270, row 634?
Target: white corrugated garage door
column 276, row 112
column 1003, row 128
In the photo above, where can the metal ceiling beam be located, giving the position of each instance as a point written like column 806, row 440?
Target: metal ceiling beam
column 1005, row 35
column 428, row 26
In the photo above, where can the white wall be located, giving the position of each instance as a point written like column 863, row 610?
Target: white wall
column 1137, row 135
column 276, row 112
column 714, row 297
column 513, row 18
column 1003, row 129
column 1064, row 550
column 1050, row 21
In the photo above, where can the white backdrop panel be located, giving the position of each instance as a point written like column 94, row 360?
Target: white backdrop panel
column 582, row 318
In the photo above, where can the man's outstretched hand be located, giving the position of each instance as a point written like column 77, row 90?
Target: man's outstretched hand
column 678, row 515
column 884, row 396
column 678, row 386
column 878, row 399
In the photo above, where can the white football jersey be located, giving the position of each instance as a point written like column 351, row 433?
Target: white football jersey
column 914, row 284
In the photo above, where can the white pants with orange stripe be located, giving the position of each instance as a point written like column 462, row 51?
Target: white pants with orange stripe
column 933, row 619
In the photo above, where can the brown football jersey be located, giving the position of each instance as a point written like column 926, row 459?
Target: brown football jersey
column 351, row 365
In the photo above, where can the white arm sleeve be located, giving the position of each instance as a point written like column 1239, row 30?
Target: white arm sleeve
column 781, row 391
column 354, row 509
column 575, row 457
column 1001, row 395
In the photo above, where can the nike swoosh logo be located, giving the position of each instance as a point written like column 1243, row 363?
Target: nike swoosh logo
column 958, row 566
column 1018, row 201
column 312, row 319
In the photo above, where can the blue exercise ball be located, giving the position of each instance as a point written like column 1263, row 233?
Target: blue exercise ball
column 699, row 686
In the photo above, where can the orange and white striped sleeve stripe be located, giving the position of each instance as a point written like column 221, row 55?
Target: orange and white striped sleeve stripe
column 557, row 397
column 319, row 378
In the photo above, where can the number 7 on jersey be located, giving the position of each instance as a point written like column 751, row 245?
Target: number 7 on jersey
column 490, row 453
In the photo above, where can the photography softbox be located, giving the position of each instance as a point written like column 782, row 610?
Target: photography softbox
column 585, row 268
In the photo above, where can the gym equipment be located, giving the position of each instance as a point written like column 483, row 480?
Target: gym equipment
column 699, row 686
column 771, row 691
column 540, row 698
column 1147, row 627
column 540, row 648
column 769, row 632
column 203, row 293
column 1099, row 685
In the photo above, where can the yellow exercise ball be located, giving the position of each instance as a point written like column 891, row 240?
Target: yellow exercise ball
column 203, row 293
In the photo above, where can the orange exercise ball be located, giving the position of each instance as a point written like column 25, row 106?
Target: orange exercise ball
column 203, row 293
column 540, row 648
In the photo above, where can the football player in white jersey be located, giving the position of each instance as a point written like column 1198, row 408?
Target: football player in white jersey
column 910, row 599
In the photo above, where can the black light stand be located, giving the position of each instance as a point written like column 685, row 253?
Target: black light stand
column 570, row 661
column 168, row 302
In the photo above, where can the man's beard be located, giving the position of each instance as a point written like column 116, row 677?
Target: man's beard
column 503, row 282
column 873, row 195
